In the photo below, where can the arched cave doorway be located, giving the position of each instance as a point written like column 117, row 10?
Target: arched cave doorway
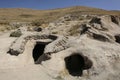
column 75, row 64
column 38, row 50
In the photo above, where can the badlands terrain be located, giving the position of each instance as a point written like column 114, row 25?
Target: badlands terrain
column 76, row 43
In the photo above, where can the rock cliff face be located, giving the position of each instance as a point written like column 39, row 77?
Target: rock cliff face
column 85, row 47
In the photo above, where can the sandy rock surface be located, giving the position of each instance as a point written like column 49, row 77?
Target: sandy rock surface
column 91, row 52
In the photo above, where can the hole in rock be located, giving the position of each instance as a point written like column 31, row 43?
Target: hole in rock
column 114, row 19
column 75, row 64
column 38, row 50
column 83, row 29
column 96, row 20
column 117, row 37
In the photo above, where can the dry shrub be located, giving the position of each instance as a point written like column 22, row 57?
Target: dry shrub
column 17, row 33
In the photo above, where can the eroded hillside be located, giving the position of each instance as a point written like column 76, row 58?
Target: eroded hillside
column 77, row 43
column 10, row 17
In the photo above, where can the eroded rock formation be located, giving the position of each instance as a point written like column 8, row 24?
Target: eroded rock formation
column 93, row 53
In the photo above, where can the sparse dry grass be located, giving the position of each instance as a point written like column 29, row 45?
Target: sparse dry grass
column 17, row 33
column 74, row 30
column 20, row 14
column 29, row 15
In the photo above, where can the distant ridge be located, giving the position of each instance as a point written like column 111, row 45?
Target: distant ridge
column 24, row 14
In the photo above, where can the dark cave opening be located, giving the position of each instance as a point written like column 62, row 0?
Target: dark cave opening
column 117, row 38
column 114, row 19
column 75, row 64
column 38, row 50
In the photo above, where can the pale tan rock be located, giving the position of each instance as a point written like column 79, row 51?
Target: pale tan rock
column 94, row 52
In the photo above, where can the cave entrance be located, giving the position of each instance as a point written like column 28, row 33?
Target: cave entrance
column 38, row 50
column 75, row 64
column 117, row 37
